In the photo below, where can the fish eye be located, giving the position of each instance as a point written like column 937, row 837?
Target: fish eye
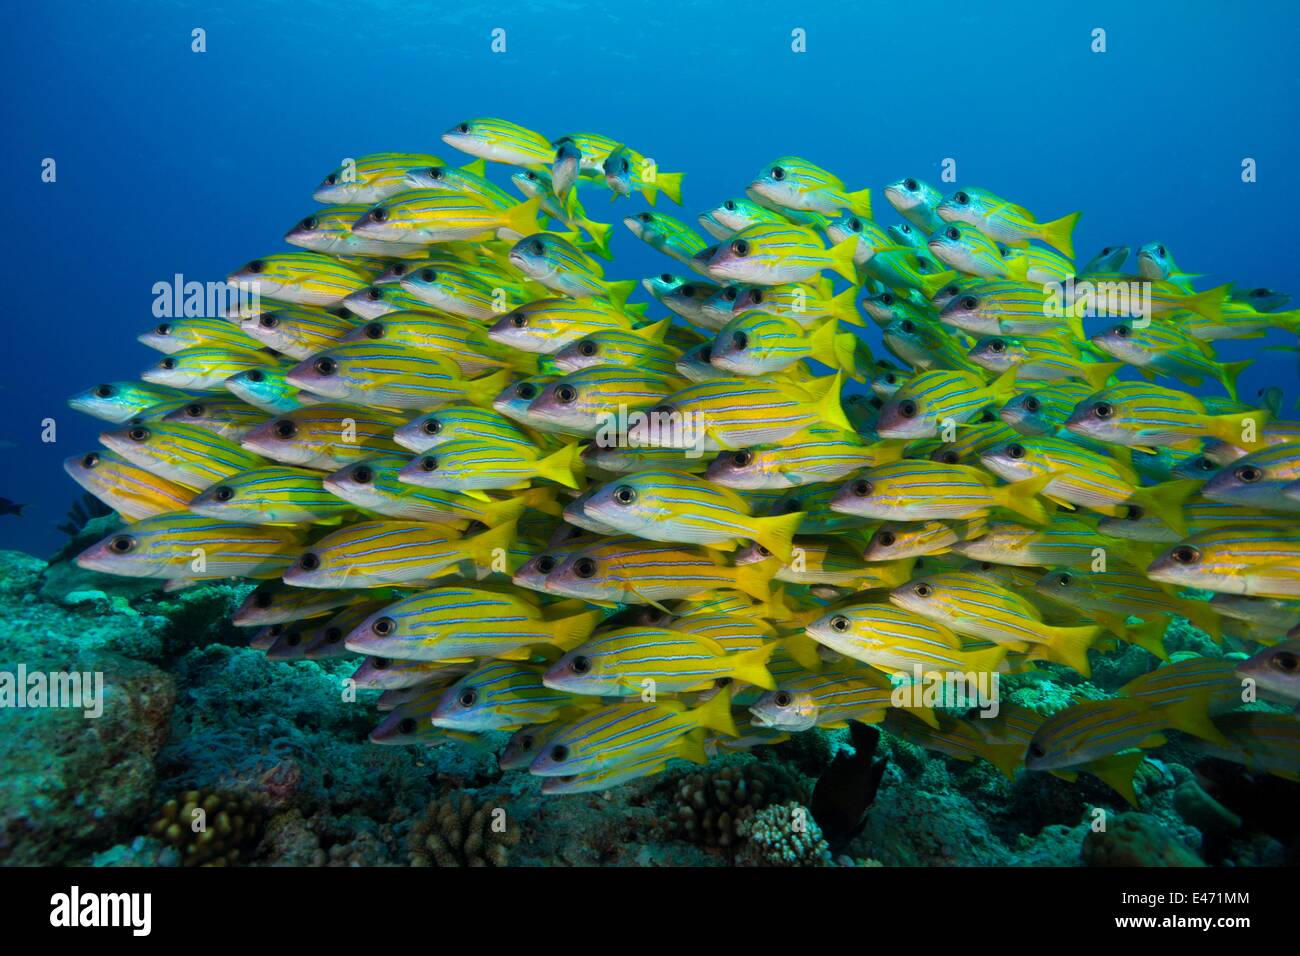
column 584, row 568
column 519, row 320
column 729, row 294
column 1032, row 404
column 1103, row 410
column 138, row 434
column 105, row 391
column 625, row 494
column 309, row 561
column 325, row 366
column 263, row 601
column 1204, row 464
column 223, row 493
column 762, row 550
column 285, row 428
column 626, row 165
column 911, row 185
column 429, row 463
column 546, row 564
column 756, row 296
column 740, row 340
column 706, row 354
column 122, row 544
column 886, row 539
column 399, row 269
column 1134, row 513
column 256, row 267
column 463, row 128
column 1122, row 331
column 741, row 459
column 952, row 232
column 1160, row 251
column 839, row 623
column 467, row 697
column 969, row 302
column 566, row 394
column 431, row 426
column 1036, row 750
column 1106, row 251
column 908, row 326
column 855, row 224
column 950, row 458
column 428, row 275
column 559, row 753
column 362, row 474
column 741, row 248
column 164, row 328
column 645, row 217
column 1249, row 474
column 526, row 390
column 90, row 460
column 923, row 264
column 922, row 590
column 383, row 626
column 903, row 228
column 379, row 214
column 407, row 725
column 374, row 293
column 167, row 363
column 1064, row 580
column 587, row 348
column 666, row 278
column 536, row 247
column 688, row 291
column 331, row 179
column 887, row 298
column 907, row 408
column 960, row 198
column 1284, row 661
column 783, row 699
column 333, row 635
column 862, row 488
column 1016, row 451
column 373, row 330
column 997, row 345
column 308, row 223
column 580, row 664
column 1185, row 554
column 435, row 173
column 268, row 321
column 876, row 402
column 778, row 173
column 729, row 205
column 194, row 411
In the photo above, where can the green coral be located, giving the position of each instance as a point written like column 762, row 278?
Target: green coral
column 784, row 834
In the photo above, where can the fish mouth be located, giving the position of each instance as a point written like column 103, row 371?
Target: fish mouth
column 759, row 719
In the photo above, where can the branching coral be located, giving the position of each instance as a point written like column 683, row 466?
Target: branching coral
column 455, row 832
column 711, row 808
column 784, row 834
column 208, row 828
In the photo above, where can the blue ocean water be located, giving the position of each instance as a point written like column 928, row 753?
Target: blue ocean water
column 171, row 161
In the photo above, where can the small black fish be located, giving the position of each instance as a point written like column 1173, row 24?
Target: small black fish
column 8, row 507
column 848, row 787
column 1265, row 803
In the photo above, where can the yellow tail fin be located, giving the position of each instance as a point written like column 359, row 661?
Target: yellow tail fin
column 1069, row 646
column 523, row 217
column 776, row 533
column 1166, row 501
column 841, row 258
column 828, row 405
column 1118, row 771
column 860, row 202
column 845, row 307
column 1096, row 374
column 756, row 579
column 715, row 714
column 1022, row 497
column 1059, row 233
column 481, row 391
column 563, row 466
column 670, row 184
column 751, row 666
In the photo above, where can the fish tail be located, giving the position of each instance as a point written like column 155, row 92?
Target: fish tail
column 756, row 579
column 1069, row 646
column 541, row 498
column 650, row 193
column 844, row 307
column 828, row 406
column 617, row 292
column 1231, row 428
column 1166, row 501
column 1059, row 233
column 1208, row 303
column 670, row 184
column 563, row 466
column 481, row 391
column 508, row 509
column 655, row 332
column 751, row 666
column 692, row 748
column 933, row 283
column 804, row 650
column 776, row 533
column 822, row 345
column 1192, row 716
column 1202, row 616
column 477, row 167
column 988, row 660
column 600, row 233
column 1117, row 772
column 568, row 632
column 1022, row 497
column 1096, row 374
column 1003, row 388
column 860, row 202
column 523, row 217
column 715, row 714
column 1149, row 635
column 1008, row 758
column 841, row 258
column 525, row 363
column 1228, row 373
column 486, row 546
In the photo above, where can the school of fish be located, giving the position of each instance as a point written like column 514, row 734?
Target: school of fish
column 444, row 441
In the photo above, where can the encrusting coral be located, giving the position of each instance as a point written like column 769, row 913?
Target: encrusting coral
column 455, row 832
column 712, row 808
column 225, row 830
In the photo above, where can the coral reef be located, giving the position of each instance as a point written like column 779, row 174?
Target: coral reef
column 712, row 807
column 1136, row 839
column 457, row 832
